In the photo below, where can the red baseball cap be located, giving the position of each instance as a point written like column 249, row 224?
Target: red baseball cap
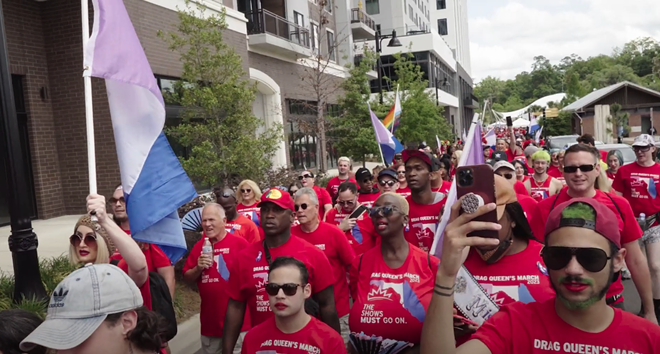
column 606, row 223
column 277, row 197
column 424, row 156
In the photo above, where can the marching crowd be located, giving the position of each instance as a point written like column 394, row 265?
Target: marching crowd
column 306, row 269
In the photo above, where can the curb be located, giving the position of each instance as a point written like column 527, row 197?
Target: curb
column 187, row 339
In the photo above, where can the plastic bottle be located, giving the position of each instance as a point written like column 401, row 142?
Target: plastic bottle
column 642, row 221
column 207, row 248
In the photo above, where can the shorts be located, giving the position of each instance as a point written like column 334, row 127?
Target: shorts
column 213, row 345
column 345, row 331
column 652, row 235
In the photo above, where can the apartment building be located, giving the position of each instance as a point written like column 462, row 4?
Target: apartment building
column 277, row 40
column 450, row 20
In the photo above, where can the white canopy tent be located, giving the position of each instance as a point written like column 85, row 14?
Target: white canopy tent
column 521, row 123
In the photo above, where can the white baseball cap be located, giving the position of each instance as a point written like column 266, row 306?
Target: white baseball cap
column 80, row 304
column 644, row 140
column 500, row 164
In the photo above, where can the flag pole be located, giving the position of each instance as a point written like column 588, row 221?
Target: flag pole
column 89, row 108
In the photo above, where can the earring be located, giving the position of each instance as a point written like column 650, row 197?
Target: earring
column 407, row 228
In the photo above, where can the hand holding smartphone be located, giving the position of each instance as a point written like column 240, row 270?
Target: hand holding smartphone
column 509, row 121
column 476, row 186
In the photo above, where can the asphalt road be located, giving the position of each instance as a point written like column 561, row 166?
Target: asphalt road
column 631, row 300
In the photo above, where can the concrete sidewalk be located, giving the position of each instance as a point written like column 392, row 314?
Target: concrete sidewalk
column 53, row 235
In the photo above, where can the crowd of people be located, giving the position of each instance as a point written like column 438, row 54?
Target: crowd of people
column 307, row 269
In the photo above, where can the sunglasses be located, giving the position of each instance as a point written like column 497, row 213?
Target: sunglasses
column 246, row 190
column 302, row 206
column 506, row 175
column 384, row 183
column 226, row 194
column 641, row 148
column 367, row 180
column 386, row 211
column 76, row 239
column 583, row 168
column 345, row 202
column 400, row 172
column 115, row 200
column 591, row 259
column 300, row 178
column 289, row 289
column 292, row 192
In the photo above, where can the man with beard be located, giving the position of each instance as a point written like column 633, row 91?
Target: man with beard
column 367, row 194
column 583, row 251
column 344, row 168
column 237, row 223
column 359, row 231
column 425, row 205
column 541, row 186
column 581, row 170
column 249, row 272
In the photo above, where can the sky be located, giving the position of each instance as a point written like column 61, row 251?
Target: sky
column 505, row 35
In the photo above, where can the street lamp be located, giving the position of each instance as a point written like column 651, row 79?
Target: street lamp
column 22, row 241
column 394, row 42
column 445, row 83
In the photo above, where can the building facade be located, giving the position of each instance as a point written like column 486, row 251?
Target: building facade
column 276, row 39
column 449, row 19
column 403, row 16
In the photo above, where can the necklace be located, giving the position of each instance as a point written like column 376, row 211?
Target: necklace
column 537, row 183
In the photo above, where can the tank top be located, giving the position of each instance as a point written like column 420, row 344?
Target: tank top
column 542, row 191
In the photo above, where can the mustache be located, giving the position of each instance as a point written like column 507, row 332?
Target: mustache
column 574, row 279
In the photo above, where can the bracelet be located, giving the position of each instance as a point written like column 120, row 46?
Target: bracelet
column 444, row 287
column 443, row 294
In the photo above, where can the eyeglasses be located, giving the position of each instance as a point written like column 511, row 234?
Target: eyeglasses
column 289, row 289
column 115, row 200
column 76, row 239
column 583, row 168
column 591, row 259
column 345, row 202
column 384, row 183
column 300, row 178
column 641, row 148
column 302, row 206
column 246, row 190
column 386, row 211
column 506, row 175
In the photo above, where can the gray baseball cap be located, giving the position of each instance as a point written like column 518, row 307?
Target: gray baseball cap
column 80, row 304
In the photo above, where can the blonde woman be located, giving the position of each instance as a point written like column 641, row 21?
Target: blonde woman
column 89, row 243
column 455, row 159
column 247, row 197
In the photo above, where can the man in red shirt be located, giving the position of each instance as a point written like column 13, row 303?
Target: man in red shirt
column 291, row 330
column 581, row 169
column 639, row 183
column 425, row 205
column 541, row 185
column 211, row 273
column 344, row 168
column 509, row 146
column 583, row 251
column 249, row 272
column 332, row 241
column 359, row 231
column 237, row 223
column 440, row 169
column 367, row 194
column 307, row 179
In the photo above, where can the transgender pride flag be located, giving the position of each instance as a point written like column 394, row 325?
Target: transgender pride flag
column 155, row 185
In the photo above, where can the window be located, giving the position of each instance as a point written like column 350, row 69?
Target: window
column 331, row 46
column 328, row 6
column 314, row 36
column 410, row 13
column 299, row 19
column 442, row 26
column 441, row 4
column 373, row 7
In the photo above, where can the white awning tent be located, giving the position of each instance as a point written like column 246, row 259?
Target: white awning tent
column 520, row 123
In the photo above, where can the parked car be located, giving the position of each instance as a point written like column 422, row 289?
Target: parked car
column 560, row 142
column 626, row 151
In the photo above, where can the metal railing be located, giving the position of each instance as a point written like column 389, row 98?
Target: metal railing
column 264, row 21
column 358, row 15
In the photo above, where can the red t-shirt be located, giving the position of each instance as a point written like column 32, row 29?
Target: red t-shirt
column 333, row 185
column 638, row 184
column 610, row 175
column 155, row 256
column 513, row 277
column 324, row 199
column 332, row 241
column 629, row 229
column 213, row 283
column 368, row 200
column 252, row 212
column 603, row 155
column 509, row 155
column 405, row 192
column 444, row 188
column 540, row 191
column 244, row 228
column 249, row 273
column 423, row 222
column 362, row 237
column 519, row 188
column 553, row 171
column 316, row 337
column 391, row 303
column 535, row 328
column 528, row 205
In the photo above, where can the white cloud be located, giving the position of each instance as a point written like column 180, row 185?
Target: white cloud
column 505, row 36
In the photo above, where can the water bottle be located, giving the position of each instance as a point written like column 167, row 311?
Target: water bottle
column 642, row 221
column 207, row 248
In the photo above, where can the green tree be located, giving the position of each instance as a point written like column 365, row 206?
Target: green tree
column 421, row 118
column 560, row 125
column 225, row 141
column 617, row 118
column 355, row 134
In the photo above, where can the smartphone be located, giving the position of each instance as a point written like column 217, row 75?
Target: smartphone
column 479, row 182
column 358, row 212
column 465, row 320
column 509, row 121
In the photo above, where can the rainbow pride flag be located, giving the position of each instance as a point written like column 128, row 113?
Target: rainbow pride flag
column 392, row 119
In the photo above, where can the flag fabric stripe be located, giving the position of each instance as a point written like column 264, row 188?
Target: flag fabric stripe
column 391, row 120
column 388, row 143
column 491, row 138
column 472, row 155
column 155, row 185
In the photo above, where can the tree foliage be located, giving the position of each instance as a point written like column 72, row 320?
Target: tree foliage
column 225, row 141
column 617, row 119
column 560, row 125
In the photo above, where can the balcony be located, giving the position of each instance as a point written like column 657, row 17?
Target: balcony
column 273, row 33
column 362, row 25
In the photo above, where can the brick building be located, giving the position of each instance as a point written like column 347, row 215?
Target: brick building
column 45, row 53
